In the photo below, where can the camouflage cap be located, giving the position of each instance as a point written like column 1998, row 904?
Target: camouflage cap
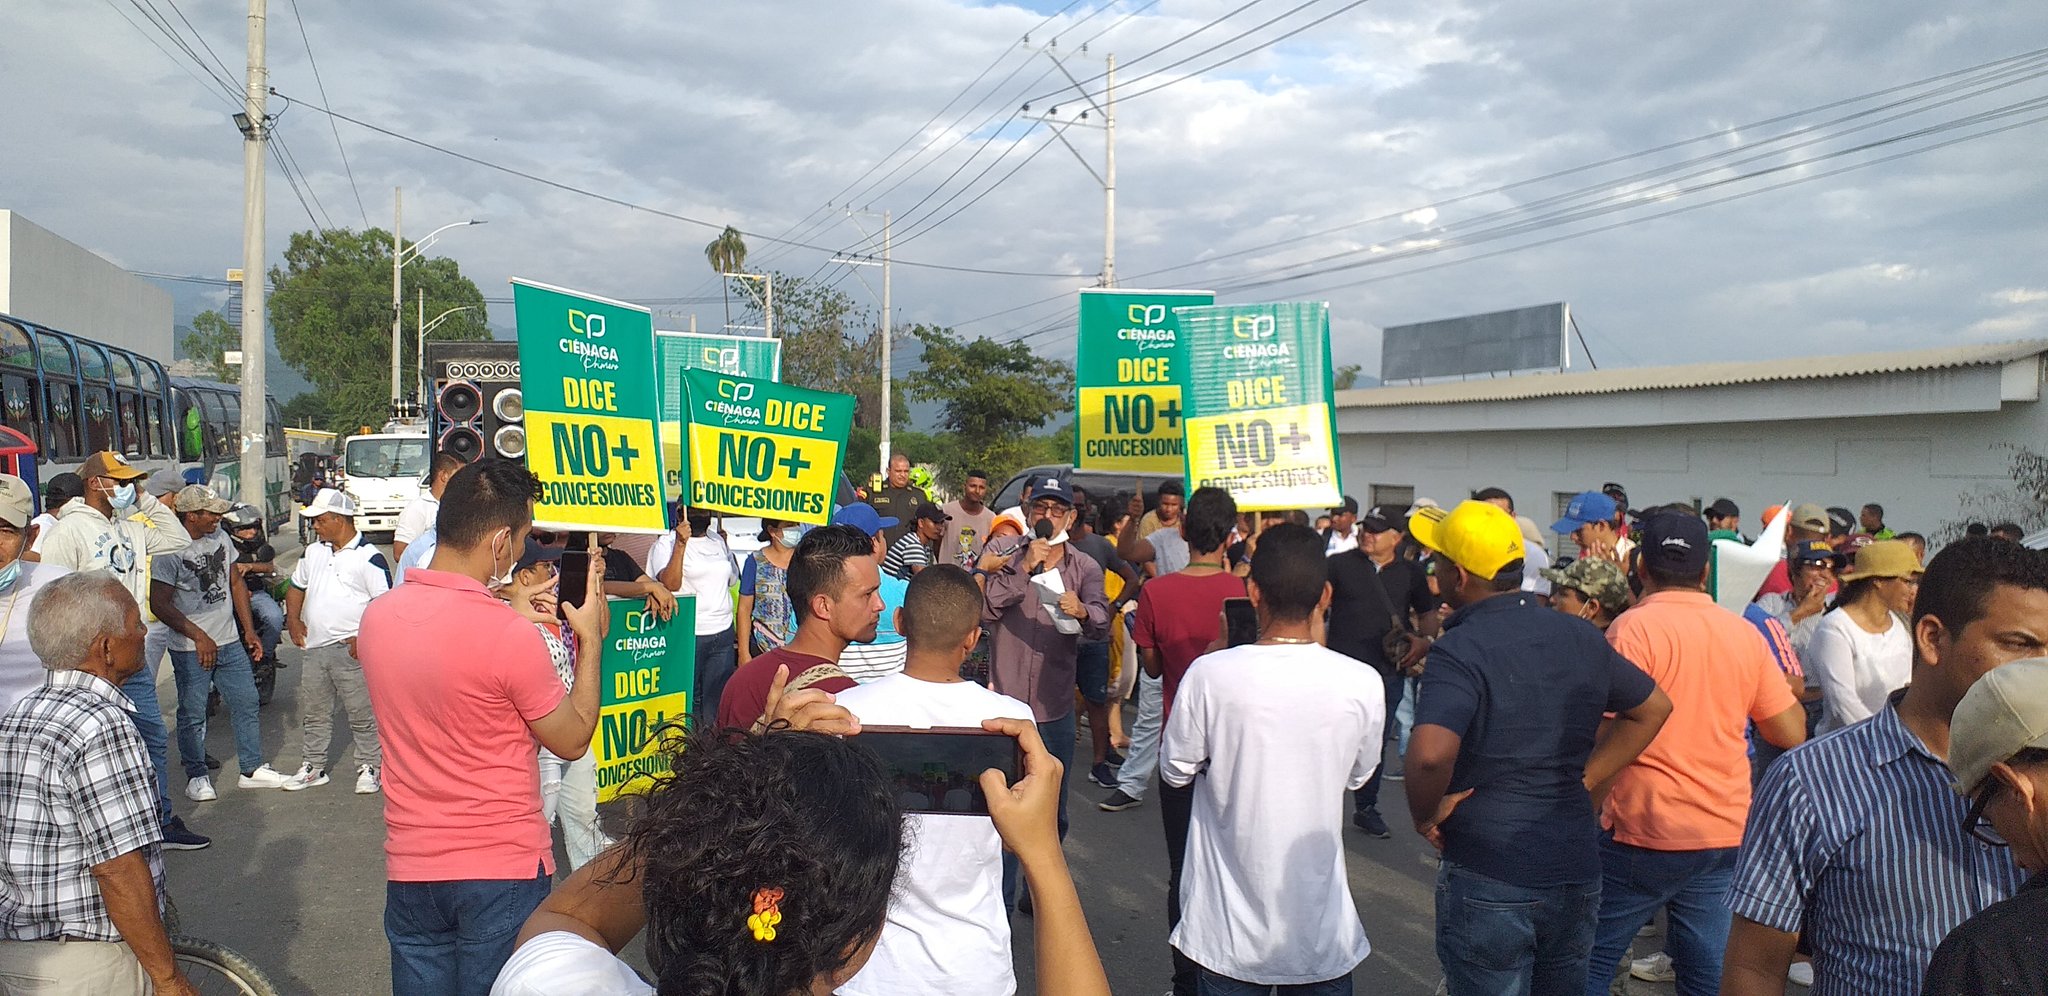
column 1597, row 579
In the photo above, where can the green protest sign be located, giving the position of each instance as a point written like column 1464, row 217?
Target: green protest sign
column 1127, row 380
column 742, row 355
column 650, row 666
column 1259, row 419
column 756, row 447
column 587, row 376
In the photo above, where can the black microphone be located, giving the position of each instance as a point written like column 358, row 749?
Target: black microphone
column 1043, row 530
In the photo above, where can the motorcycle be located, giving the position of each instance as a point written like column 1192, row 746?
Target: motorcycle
column 266, row 595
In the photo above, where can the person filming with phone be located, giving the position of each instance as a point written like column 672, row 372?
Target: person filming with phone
column 463, row 689
column 946, row 931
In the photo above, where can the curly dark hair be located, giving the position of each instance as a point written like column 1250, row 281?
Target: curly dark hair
column 809, row 814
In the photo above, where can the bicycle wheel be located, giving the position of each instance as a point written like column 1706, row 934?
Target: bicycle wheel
column 217, row 971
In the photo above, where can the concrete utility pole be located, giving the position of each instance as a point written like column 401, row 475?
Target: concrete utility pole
column 887, row 315
column 888, row 321
column 1109, row 177
column 397, row 302
column 255, row 140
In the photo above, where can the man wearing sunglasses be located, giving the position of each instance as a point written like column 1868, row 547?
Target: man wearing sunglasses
column 1999, row 752
column 1856, row 840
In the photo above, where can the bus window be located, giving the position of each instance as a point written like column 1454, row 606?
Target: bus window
column 133, row 439
column 153, row 410
column 124, row 369
column 61, row 402
column 99, row 418
column 18, row 397
column 213, row 420
column 273, row 428
column 231, row 405
column 16, row 349
column 92, row 362
column 55, row 354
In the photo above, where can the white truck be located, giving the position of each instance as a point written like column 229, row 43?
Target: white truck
column 383, row 472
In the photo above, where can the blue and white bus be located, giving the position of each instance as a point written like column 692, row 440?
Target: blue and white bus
column 64, row 397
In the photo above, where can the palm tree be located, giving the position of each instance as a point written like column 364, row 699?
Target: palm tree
column 727, row 254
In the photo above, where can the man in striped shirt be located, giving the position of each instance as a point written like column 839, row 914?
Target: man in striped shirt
column 1856, row 838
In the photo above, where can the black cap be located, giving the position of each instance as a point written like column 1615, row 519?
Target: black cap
column 1348, row 507
column 1723, row 508
column 1841, row 521
column 930, row 513
column 1676, row 543
column 1381, row 518
column 537, row 553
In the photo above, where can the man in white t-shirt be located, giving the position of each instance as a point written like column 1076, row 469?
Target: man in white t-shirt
column 947, row 931
column 419, row 513
column 1273, row 734
column 1342, row 536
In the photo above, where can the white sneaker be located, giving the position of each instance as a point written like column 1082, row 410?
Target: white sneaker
column 264, row 777
column 1655, row 968
column 307, row 777
column 1801, row 973
column 366, row 780
column 200, row 789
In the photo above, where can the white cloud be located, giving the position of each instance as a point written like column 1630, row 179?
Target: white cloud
column 758, row 115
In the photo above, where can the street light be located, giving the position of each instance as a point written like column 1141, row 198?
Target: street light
column 399, row 257
column 420, row 348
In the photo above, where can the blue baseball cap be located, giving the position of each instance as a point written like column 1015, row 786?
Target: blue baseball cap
column 862, row 516
column 1050, row 487
column 1586, row 508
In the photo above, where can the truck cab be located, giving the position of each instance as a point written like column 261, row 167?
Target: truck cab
column 383, row 472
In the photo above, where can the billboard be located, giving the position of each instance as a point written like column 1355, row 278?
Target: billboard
column 1495, row 342
column 1127, row 385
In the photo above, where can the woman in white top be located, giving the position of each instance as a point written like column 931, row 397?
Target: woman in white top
column 1861, row 653
column 693, row 560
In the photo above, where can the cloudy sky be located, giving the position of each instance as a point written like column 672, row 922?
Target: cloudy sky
column 1364, row 156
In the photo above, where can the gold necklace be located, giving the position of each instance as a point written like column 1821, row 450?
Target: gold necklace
column 1287, row 639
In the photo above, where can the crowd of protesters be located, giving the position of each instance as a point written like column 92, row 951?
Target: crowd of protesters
column 1840, row 778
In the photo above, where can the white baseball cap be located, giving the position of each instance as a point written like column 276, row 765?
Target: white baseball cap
column 330, row 501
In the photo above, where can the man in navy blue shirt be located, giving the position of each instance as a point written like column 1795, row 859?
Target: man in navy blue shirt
column 1504, row 759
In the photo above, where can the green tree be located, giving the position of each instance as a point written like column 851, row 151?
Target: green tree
column 992, row 397
column 331, row 314
column 206, row 342
column 1345, row 377
column 727, row 254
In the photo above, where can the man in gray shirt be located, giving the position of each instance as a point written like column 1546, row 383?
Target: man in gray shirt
column 201, row 598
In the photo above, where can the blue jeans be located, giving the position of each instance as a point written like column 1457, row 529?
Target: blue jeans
column 1214, row 984
column 269, row 619
column 1690, row 885
column 149, row 721
column 451, row 938
column 717, row 658
column 1497, row 939
column 1058, row 735
column 237, row 683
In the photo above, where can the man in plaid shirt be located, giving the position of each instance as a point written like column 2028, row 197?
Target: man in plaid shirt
column 81, row 873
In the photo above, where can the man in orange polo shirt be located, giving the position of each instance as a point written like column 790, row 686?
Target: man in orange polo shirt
column 1674, row 817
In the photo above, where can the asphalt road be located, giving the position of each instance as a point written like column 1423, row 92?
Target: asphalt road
column 295, row 881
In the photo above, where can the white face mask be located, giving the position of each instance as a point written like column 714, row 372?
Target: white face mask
column 790, row 536
column 498, row 580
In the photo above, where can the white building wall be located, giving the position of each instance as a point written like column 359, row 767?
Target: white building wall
column 52, row 282
column 1920, row 467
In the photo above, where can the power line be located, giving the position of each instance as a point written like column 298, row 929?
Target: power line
column 226, row 73
column 1621, row 200
column 321, row 84
column 163, row 27
column 630, row 205
column 2002, row 64
column 1078, row 85
column 208, row 84
column 1262, row 46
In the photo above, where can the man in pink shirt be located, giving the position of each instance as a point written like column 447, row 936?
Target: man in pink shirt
column 464, row 693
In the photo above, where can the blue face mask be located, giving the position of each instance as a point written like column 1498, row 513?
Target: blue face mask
column 122, row 496
column 10, row 573
column 791, row 535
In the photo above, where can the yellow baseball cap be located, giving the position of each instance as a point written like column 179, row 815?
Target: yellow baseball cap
column 1478, row 536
